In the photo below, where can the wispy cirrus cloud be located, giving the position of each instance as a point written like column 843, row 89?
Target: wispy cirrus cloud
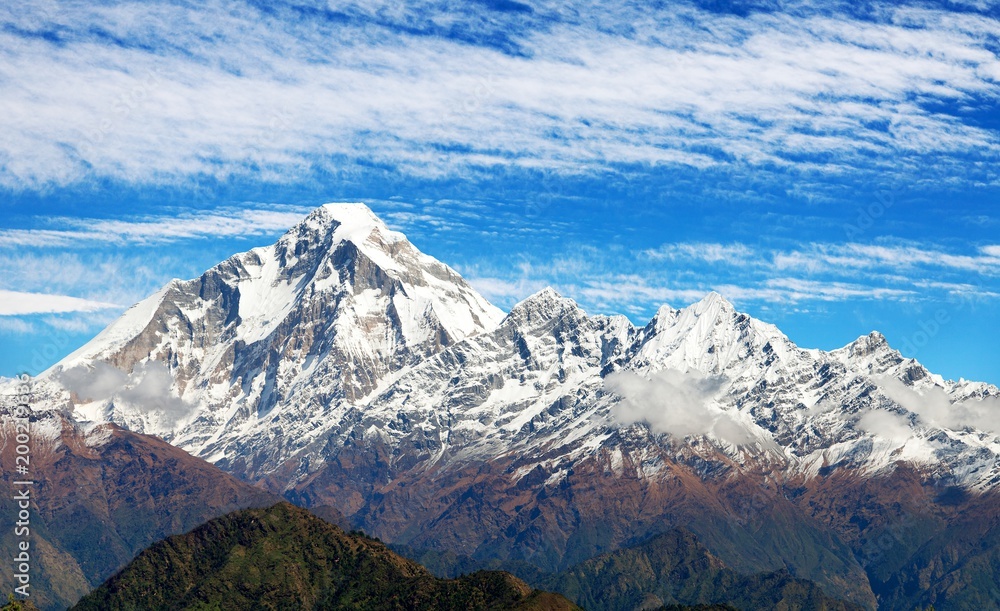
column 616, row 292
column 499, row 290
column 683, row 272
column 16, row 326
column 433, row 89
column 840, row 258
column 709, row 252
column 17, row 303
column 900, row 257
column 66, row 232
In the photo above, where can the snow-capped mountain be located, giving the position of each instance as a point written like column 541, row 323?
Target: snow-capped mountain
column 342, row 366
column 278, row 340
column 344, row 329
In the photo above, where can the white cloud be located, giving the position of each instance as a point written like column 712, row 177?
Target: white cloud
column 16, row 326
column 820, row 272
column 842, row 258
column 734, row 254
column 220, row 222
column 887, row 425
column 215, row 89
column 147, row 388
column 16, row 303
column 797, row 289
column 95, row 383
column 864, row 257
column 935, row 408
column 674, row 402
column 81, row 322
column 613, row 281
column 505, row 291
column 615, row 289
column 92, row 275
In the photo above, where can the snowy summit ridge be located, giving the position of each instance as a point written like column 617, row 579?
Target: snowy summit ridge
column 342, row 333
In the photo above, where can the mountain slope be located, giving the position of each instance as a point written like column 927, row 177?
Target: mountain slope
column 283, row 557
column 923, row 543
column 675, row 568
column 101, row 494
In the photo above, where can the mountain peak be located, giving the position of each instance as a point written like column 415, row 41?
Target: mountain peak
column 348, row 222
column 712, row 303
column 872, row 353
column 664, row 318
column 545, row 297
column 352, row 219
column 710, row 336
column 343, row 211
column 710, row 307
column 546, row 294
column 339, row 298
column 350, row 237
column 545, row 304
column 868, row 344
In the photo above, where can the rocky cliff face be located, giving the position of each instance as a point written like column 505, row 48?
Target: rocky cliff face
column 342, row 367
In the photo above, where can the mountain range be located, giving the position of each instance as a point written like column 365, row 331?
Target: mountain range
column 341, row 367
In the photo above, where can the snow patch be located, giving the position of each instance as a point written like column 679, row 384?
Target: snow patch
column 265, row 298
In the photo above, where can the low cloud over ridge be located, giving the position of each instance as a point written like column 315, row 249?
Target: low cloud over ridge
column 675, row 402
column 935, row 408
column 148, row 388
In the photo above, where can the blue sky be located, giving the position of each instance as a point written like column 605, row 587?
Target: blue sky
column 830, row 168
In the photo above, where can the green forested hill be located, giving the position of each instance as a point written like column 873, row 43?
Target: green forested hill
column 283, row 557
